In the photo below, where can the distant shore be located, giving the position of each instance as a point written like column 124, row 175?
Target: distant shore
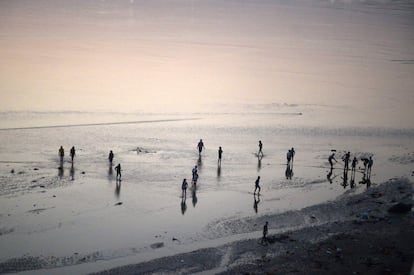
column 352, row 235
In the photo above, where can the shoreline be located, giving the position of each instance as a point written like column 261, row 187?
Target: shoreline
column 366, row 240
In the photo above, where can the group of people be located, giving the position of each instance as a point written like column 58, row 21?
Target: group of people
column 346, row 158
column 62, row 153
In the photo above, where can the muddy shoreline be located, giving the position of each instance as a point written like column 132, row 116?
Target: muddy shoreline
column 352, row 235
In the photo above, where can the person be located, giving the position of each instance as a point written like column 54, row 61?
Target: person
column 265, row 231
column 184, row 186
column 260, row 148
column 194, row 171
column 61, row 152
column 354, row 163
column 257, row 186
column 365, row 162
column 370, row 163
column 289, row 156
column 200, row 146
column 220, row 152
column 292, row 153
column 332, row 157
column 72, row 152
column 346, row 158
column 111, row 157
column 118, row 171
column 195, row 178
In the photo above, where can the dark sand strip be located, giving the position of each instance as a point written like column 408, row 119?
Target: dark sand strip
column 98, row 124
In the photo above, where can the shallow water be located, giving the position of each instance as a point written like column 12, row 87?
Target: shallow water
column 47, row 212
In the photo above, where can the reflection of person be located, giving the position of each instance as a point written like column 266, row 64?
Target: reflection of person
column 220, row 152
column 256, row 202
column 200, row 146
column 118, row 171
column 257, row 186
column 111, row 157
column 72, row 152
column 183, row 206
column 288, row 172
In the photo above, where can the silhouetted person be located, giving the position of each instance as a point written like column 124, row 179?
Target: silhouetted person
column 353, row 164
column 111, row 157
column 195, row 178
column 184, row 186
column 292, row 153
column 256, row 185
column 265, row 231
column 353, row 169
column 200, row 146
column 289, row 156
column 194, row 171
column 61, row 153
column 220, row 152
column 72, row 153
column 256, row 202
column 370, row 163
column 365, row 161
column 260, row 153
column 118, row 171
column 331, row 158
column 346, row 158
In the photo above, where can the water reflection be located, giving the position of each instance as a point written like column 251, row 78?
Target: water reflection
column 60, row 171
column 72, row 173
column 118, row 188
column 183, row 205
column 259, row 163
column 194, row 196
column 256, row 202
column 289, row 171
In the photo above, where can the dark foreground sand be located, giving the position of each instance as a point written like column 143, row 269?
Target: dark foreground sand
column 353, row 235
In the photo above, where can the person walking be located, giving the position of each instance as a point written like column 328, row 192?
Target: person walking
column 184, row 186
column 111, row 157
column 61, row 153
column 260, row 153
column 200, row 146
column 331, row 158
column 118, row 171
column 72, row 153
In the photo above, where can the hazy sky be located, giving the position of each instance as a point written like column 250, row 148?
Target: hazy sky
column 182, row 55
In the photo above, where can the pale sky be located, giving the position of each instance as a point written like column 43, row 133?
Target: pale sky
column 184, row 55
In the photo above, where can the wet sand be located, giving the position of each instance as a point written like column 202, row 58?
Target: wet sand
column 352, row 235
